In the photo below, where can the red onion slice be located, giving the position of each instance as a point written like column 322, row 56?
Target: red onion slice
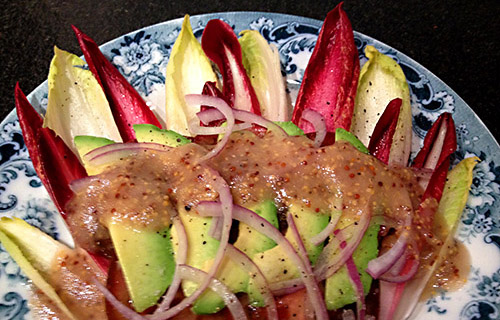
column 315, row 296
column 118, row 151
column 215, row 228
column 336, row 253
column 120, row 307
column 196, row 275
column 248, row 265
column 263, row 226
column 318, row 121
column 225, row 210
column 358, row 286
column 383, row 263
column 79, row 184
column 403, row 277
column 210, row 115
column 328, row 230
column 123, row 146
column 222, row 106
column 181, row 259
column 249, row 117
column 196, row 129
column 333, row 256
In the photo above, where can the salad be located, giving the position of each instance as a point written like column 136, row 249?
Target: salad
column 233, row 210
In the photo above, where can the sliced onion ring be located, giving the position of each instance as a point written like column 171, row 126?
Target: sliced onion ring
column 404, row 277
column 248, row 265
column 352, row 270
column 249, row 117
column 225, row 210
column 210, row 115
column 181, row 257
column 79, row 185
column 222, row 106
column 329, row 261
column 315, row 296
column 209, row 208
column 196, row 275
column 196, row 129
column 318, row 122
column 120, row 307
column 110, row 148
column 333, row 256
column 328, row 230
column 215, row 228
column 383, row 263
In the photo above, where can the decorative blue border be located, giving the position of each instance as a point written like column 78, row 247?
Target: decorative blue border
column 142, row 57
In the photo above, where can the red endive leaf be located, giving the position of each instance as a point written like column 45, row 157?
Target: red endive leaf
column 381, row 140
column 210, row 89
column 53, row 161
column 30, row 121
column 60, row 166
column 222, row 47
column 331, row 77
column 439, row 143
column 127, row 105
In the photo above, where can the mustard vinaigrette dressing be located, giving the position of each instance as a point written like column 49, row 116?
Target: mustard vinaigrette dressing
column 144, row 190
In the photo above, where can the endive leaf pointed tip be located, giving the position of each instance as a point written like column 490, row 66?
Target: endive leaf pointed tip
column 188, row 70
column 331, row 76
column 221, row 45
column 127, row 106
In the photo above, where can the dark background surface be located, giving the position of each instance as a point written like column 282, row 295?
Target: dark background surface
column 456, row 40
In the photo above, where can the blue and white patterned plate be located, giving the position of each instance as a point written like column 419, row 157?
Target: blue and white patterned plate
column 142, row 57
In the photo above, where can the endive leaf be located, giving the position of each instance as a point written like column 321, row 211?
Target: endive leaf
column 262, row 64
column 54, row 162
column 455, row 194
column 77, row 105
column 126, row 104
column 187, row 71
column 381, row 80
column 447, row 217
column 331, row 76
column 16, row 236
column 221, row 45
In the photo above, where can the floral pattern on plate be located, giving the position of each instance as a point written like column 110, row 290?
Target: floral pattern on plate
column 142, row 57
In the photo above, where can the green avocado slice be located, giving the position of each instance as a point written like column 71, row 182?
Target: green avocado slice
column 338, row 290
column 147, row 261
column 151, row 133
column 146, row 256
column 344, row 135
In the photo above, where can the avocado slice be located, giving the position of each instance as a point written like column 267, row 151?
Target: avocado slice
column 151, row 133
column 344, row 135
column 290, row 128
column 251, row 242
column 274, row 263
column 147, row 261
column 202, row 250
column 338, row 290
column 85, row 144
column 146, row 256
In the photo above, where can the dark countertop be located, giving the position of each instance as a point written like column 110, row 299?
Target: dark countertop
column 456, row 40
